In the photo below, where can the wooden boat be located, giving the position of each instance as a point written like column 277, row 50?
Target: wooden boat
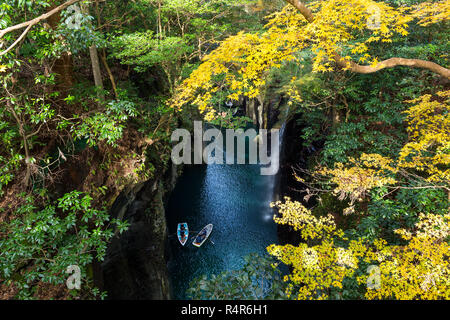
column 202, row 235
column 182, row 232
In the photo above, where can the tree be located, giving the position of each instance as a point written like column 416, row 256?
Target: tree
column 144, row 50
column 30, row 23
column 95, row 62
column 333, row 11
column 422, row 163
column 331, row 262
column 329, row 265
column 42, row 244
column 337, row 32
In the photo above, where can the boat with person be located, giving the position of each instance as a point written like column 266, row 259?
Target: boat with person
column 183, row 232
column 202, row 235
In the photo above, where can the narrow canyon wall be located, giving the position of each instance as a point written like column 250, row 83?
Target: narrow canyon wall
column 135, row 265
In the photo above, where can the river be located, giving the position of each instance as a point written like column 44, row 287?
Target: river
column 235, row 199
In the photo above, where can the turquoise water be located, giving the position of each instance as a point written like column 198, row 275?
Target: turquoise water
column 235, row 199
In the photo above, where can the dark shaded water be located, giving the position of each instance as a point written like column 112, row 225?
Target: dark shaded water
column 235, row 199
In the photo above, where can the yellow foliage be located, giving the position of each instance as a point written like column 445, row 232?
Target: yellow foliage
column 242, row 59
column 431, row 226
column 427, row 151
column 293, row 213
column 432, row 12
column 367, row 172
column 429, row 132
column 240, row 63
column 418, row 270
column 317, row 268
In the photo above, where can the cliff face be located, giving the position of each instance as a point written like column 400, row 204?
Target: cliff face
column 135, row 264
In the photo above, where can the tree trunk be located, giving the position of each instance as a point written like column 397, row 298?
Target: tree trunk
column 108, row 70
column 260, row 110
column 96, row 71
column 251, row 112
column 63, row 66
column 336, row 117
column 159, row 20
column 95, row 62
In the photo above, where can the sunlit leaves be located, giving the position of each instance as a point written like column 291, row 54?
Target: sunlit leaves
column 429, row 146
column 428, row 151
column 363, row 174
column 338, row 27
column 335, row 265
column 432, row 12
column 293, row 213
column 144, row 50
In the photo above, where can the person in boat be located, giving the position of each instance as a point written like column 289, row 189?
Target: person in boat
column 182, row 231
column 201, row 236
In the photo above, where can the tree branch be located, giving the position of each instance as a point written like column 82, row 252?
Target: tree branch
column 388, row 63
column 393, row 62
column 17, row 41
column 30, row 23
column 304, row 10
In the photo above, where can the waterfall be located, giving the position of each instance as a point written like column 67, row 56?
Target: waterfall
column 274, row 181
column 282, row 132
column 235, row 199
column 281, row 137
